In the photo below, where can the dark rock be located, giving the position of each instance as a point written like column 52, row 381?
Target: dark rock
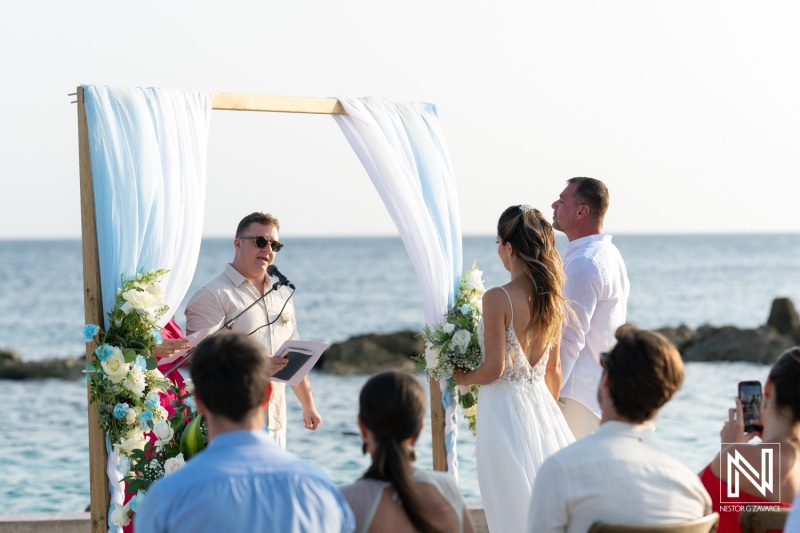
column 783, row 316
column 57, row 368
column 762, row 345
column 367, row 354
column 680, row 336
column 7, row 356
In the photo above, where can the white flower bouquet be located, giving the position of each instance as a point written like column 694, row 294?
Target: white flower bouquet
column 125, row 386
column 454, row 344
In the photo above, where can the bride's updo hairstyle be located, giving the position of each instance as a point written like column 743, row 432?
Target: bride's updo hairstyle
column 534, row 243
column 392, row 407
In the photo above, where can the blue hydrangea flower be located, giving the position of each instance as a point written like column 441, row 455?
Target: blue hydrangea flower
column 146, row 420
column 465, row 309
column 104, row 351
column 152, row 400
column 191, row 403
column 90, row 331
column 120, row 409
column 140, row 362
column 124, row 465
column 136, row 501
column 157, row 336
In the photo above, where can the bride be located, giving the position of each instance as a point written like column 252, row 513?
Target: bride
column 519, row 422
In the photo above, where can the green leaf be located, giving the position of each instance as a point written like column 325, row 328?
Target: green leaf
column 130, row 355
column 152, row 363
column 192, row 438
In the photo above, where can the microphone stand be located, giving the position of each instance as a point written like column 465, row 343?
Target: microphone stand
column 227, row 325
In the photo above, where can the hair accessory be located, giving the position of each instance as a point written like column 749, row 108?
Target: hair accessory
column 364, row 447
column 525, row 207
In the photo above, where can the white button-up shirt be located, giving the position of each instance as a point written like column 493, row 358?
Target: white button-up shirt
column 227, row 295
column 621, row 475
column 597, row 289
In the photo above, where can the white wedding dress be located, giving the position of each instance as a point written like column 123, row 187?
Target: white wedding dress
column 519, row 426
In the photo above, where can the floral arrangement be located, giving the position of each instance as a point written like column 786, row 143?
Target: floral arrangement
column 126, row 386
column 454, row 344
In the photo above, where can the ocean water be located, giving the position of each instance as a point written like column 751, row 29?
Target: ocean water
column 348, row 286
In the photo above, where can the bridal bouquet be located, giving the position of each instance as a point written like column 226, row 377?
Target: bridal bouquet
column 454, row 344
column 125, row 386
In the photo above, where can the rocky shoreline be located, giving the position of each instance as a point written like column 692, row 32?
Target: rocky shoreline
column 366, row 354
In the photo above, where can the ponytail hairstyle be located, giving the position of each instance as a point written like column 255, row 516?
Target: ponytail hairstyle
column 785, row 375
column 392, row 407
column 534, row 243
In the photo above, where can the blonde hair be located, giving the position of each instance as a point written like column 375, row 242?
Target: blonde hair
column 534, row 243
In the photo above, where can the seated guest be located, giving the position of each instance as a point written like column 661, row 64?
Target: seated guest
column 621, row 474
column 780, row 418
column 393, row 496
column 242, row 481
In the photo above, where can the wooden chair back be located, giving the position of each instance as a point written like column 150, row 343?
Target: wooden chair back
column 763, row 521
column 707, row 524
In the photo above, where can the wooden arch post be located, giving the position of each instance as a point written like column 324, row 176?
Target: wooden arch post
column 92, row 294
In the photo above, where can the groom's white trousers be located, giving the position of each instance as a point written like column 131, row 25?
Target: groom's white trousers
column 580, row 419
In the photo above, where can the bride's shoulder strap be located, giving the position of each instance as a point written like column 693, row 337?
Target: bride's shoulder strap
column 509, row 303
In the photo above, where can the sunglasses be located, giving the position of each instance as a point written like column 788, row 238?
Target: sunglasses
column 261, row 242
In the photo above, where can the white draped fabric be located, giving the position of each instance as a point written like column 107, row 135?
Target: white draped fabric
column 148, row 149
column 403, row 150
column 148, row 152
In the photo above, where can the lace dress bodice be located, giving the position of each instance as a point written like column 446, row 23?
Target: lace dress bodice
column 517, row 367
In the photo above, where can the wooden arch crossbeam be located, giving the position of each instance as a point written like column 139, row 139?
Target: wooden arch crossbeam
column 93, row 307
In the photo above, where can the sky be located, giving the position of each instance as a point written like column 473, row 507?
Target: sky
column 689, row 111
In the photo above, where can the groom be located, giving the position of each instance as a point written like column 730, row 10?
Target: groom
column 597, row 289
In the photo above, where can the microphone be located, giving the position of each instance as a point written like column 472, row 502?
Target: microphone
column 273, row 271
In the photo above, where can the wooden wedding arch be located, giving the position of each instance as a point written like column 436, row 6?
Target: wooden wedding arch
column 93, row 303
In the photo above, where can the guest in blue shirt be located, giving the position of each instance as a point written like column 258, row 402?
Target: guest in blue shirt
column 242, row 481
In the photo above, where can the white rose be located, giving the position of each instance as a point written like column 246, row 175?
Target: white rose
column 173, row 463
column 156, row 290
column 163, row 431
column 121, row 517
column 115, row 368
column 133, row 440
column 461, row 339
column 463, row 390
column 134, row 382
column 130, row 417
column 189, row 384
column 161, row 413
column 431, row 356
column 140, row 300
column 448, row 328
column 473, row 282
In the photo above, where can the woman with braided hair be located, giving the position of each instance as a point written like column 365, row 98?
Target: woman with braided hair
column 519, row 422
column 393, row 496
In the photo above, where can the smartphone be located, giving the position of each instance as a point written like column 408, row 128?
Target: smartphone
column 750, row 396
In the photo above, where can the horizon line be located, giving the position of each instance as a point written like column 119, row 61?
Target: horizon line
column 465, row 235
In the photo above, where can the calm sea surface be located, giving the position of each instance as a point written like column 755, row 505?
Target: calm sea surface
column 349, row 286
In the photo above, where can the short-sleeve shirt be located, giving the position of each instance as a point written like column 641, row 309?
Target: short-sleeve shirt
column 227, row 295
column 244, row 482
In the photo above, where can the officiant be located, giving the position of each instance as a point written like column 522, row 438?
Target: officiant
column 271, row 322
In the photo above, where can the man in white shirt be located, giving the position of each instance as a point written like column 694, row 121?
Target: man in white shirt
column 241, row 283
column 621, row 474
column 597, row 289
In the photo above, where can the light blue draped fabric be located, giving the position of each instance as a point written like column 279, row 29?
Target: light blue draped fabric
column 148, row 151
column 403, row 150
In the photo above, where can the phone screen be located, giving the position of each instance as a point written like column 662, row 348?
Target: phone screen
column 750, row 396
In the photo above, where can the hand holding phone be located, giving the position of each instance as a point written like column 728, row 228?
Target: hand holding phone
column 750, row 396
